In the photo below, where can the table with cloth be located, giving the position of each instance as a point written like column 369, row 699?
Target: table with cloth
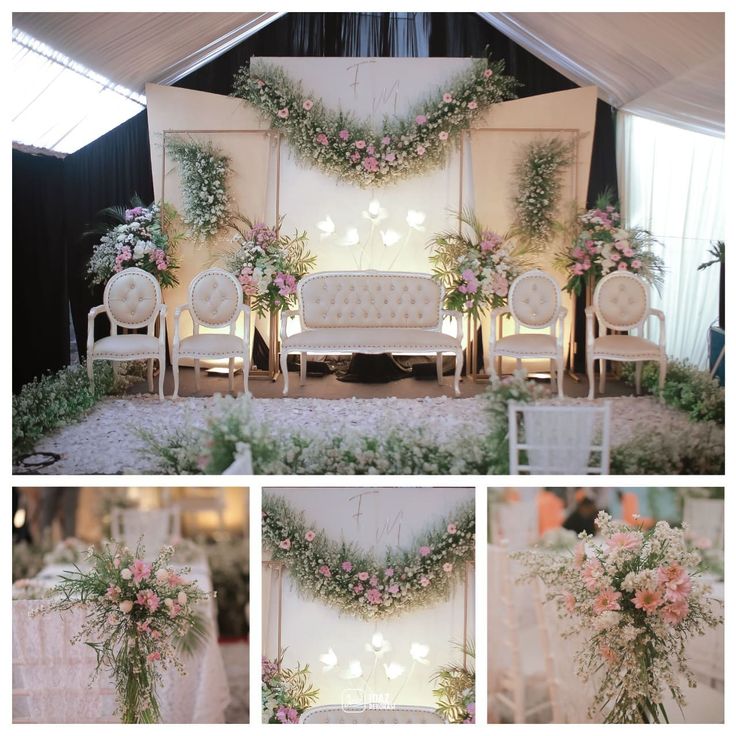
column 51, row 677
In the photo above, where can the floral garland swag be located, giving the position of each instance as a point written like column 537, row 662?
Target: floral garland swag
column 352, row 149
column 140, row 617
column 344, row 577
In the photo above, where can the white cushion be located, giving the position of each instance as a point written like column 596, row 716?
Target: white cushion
column 127, row 347
column 621, row 300
column 535, row 299
column 628, row 346
column 370, row 299
column 531, row 345
column 211, row 345
column 371, row 338
column 215, row 297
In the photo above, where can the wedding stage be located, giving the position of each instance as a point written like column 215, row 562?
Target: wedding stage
column 108, row 440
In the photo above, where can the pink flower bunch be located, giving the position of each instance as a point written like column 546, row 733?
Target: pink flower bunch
column 269, row 669
column 499, row 284
column 490, row 241
column 141, row 570
column 373, row 596
column 124, row 255
column 261, row 234
column 287, row 714
column 322, row 139
column 370, row 163
column 148, row 599
column 249, row 284
column 285, row 283
column 159, row 258
column 470, row 282
column 325, row 570
column 347, row 566
column 134, row 212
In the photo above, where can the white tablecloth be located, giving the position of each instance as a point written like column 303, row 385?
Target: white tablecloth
column 51, row 676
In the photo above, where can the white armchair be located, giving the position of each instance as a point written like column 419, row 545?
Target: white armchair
column 534, row 302
column 216, row 301
column 621, row 304
column 132, row 300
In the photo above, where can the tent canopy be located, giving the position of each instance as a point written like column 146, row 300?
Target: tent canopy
column 665, row 66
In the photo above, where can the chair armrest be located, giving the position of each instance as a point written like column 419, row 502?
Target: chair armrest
column 94, row 312
column 458, row 317
column 561, row 325
column 162, row 323
column 589, row 334
column 495, row 314
column 177, row 316
column 498, row 311
column 285, row 315
column 659, row 314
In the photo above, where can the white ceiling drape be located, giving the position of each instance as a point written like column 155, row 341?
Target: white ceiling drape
column 668, row 67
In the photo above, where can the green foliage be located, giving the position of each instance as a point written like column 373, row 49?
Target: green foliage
column 685, row 387
column 455, row 691
column 55, row 400
column 285, row 692
column 717, row 254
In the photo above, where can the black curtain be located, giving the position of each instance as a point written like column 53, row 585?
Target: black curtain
column 116, row 166
column 39, row 286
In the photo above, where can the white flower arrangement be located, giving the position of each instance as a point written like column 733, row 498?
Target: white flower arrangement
column 353, row 150
column 538, row 187
column 355, row 582
column 637, row 598
column 204, row 171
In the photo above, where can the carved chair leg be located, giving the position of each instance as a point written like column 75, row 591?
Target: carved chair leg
column 161, row 375
column 662, row 374
column 602, row 379
column 284, row 372
column 559, row 374
column 196, row 375
column 246, row 372
column 458, row 370
column 302, row 368
column 175, row 371
column 150, row 375
column 637, row 376
column 231, row 375
column 591, row 376
column 438, row 363
column 91, row 372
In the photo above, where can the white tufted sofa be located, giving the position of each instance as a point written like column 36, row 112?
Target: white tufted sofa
column 621, row 304
column 215, row 301
column 397, row 714
column 344, row 312
column 132, row 300
column 535, row 303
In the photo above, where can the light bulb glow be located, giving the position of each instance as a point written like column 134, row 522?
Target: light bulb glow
column 415, row 219
column 351, row 237
column 419, row 652
column 329, row 660
column 393, row 670
column 378, row 645
column 354, row 670
column 375, row 213
column 326, row 227
column 390, row 238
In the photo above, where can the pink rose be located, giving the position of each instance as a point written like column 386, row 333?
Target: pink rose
column 309, row 536
column 447, row 567
column 360, row 144
column 322, row 139
column 370, row 163
column 447, row 97
column 355, row 157
column 373, row 596
column 389, row 572
column 386, row 140
column 389, row 156
column 347, row 566
column 373, row 581
column 488, row 73
column 393, row 589
column 424, row 581
column 443, row 135
column 472, row 105
column 358, row 588
column 424, row 551
column 324, row 570
column 636, row 264
column 421, row 150
column 420, row 119
column 622, row 266
column 363, row 576
column 154, row 656
column 370, row 150
column 307, row 105
column 285, row 544
column 343, row 135
column 140, row 570
column 451, row 529
column 283, row 113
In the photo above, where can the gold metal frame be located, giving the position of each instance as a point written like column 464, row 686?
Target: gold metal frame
column 473, row 322
column 273, row 334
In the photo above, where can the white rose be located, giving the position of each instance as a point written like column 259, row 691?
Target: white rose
column 168, row 602
column 162, row 574
column 182, row 598
column 126, row 606
column 138, row 252
column 126, row 574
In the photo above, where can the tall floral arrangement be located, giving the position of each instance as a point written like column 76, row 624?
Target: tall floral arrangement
column 137, row 236
column 637, row 599
column 204, row 170
column 140, row 618
column 538, row 185
column 268, row 264
column 285, row 693
column 353, row 150
column 476, row 266
column 601, row 245
column 341, row 575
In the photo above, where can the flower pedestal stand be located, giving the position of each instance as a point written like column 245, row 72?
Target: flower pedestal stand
column 273, row 371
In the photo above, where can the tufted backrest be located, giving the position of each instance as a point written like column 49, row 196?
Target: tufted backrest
column 215, row 298
column 365, row 714
column 621, row 300
column 132, row 298
column 370, row 299
column 534, row 299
